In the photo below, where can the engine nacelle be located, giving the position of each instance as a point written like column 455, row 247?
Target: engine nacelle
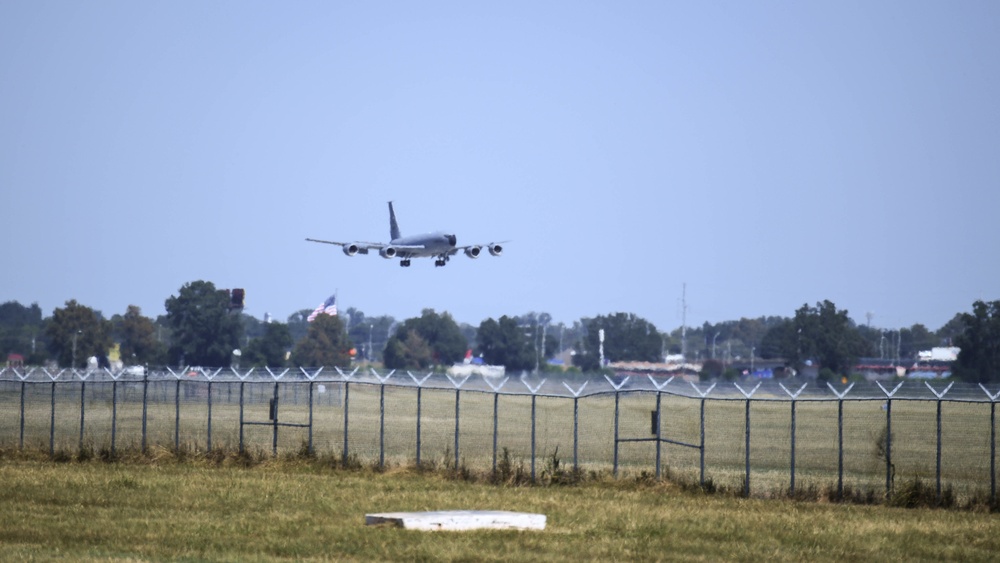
column 350, row 249
column 495, row 249
column 473, row 251
column 387, row 252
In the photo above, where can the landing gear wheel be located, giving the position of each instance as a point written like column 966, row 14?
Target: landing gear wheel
column 404, row 263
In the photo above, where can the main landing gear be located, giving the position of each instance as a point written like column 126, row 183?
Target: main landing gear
column 441, row 261
column 404, row 263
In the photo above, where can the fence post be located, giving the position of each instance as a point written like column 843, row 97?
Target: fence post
column 242, row 447
column 701, row 424
column 347, row 397
column 457, row 397
column 794, row 396
column 496, row 409
column 617, row 389
column 993, row 441
column 83, row 408
column 659, row 426
column 939, row 396
column 274, row 439
column 22, row 416
column 381, row 426
column 209, row 448
column 615, row 462
column 346, row 377
column 114, row 414
column 888, row 437
column 746, row 481
column 310, row 443
column 576, row 422
column 888, row 448
column 840, row 437
column 496, row 429
column 420, row 388
column 939, row 452
column 145, row 406
column 312, row 381
column 177, row 416
column 52, row 422
column 458, row 389
column 576, row 434
column 534, row 391
column 381, row 415
column 533, row 419
column 701, row 445
column 659, row 419
column 419, row 400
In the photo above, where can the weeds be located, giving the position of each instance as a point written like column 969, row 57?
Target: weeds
column 510, row 472
column 917, row 494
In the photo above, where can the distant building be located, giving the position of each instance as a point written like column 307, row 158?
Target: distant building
column 15, row 360
column 943, row 354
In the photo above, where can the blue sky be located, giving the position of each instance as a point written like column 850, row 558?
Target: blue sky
column 765, row 154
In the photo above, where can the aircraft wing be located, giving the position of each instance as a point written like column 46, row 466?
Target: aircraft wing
column 473, row 250
column 352, row 248
column 362, row 247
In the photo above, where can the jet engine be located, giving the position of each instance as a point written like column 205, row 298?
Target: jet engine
column 350, row 249
column 495, row 249
column 387, row 252
column 473, row 251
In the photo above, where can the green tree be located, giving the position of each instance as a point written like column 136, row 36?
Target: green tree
column 950, row 331
column 780, row 341
column 627, row 337
column 325, row 344
column 137, row 334
column 821, row 333
column 410, row 352
column 298, row 324
column 77, row 331
column 364, row 330
column 503, row 343
column 21, row 329
column 441, row 332
column 269, row 350
column 204, row 331
column 914, row 340
column 979, row 354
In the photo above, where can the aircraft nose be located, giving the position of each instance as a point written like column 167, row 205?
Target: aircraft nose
column 452, row 240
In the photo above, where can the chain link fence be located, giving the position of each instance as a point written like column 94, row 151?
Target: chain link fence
column 759, row 437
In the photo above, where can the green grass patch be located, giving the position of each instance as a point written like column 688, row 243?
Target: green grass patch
column 231, row 507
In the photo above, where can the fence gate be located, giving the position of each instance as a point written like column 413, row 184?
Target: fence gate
column 656, row 428
column 287, row 406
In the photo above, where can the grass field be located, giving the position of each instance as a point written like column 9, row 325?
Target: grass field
column 178, row 412
column 212, row 508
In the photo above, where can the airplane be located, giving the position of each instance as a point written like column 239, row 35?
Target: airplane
column 441, row 246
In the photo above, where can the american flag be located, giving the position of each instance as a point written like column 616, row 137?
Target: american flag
column 328, row 307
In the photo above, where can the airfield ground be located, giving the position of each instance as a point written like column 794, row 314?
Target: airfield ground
column 160, row 507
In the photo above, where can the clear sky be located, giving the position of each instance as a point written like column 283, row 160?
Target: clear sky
column 766, row 154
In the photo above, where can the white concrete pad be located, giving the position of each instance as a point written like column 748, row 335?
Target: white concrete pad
column 459, row 520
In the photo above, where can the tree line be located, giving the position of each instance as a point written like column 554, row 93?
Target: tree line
column 201, row 327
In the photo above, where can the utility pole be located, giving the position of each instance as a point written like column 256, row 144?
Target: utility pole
column 684, row 308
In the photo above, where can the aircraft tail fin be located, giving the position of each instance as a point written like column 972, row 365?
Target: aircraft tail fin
column 393, row 227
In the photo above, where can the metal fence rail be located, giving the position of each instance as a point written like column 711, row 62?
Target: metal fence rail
column 758, row 436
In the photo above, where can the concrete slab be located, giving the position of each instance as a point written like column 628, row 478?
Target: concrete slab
column 458, row 520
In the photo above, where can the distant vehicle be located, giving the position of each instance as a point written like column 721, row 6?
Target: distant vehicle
column 439, row 245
